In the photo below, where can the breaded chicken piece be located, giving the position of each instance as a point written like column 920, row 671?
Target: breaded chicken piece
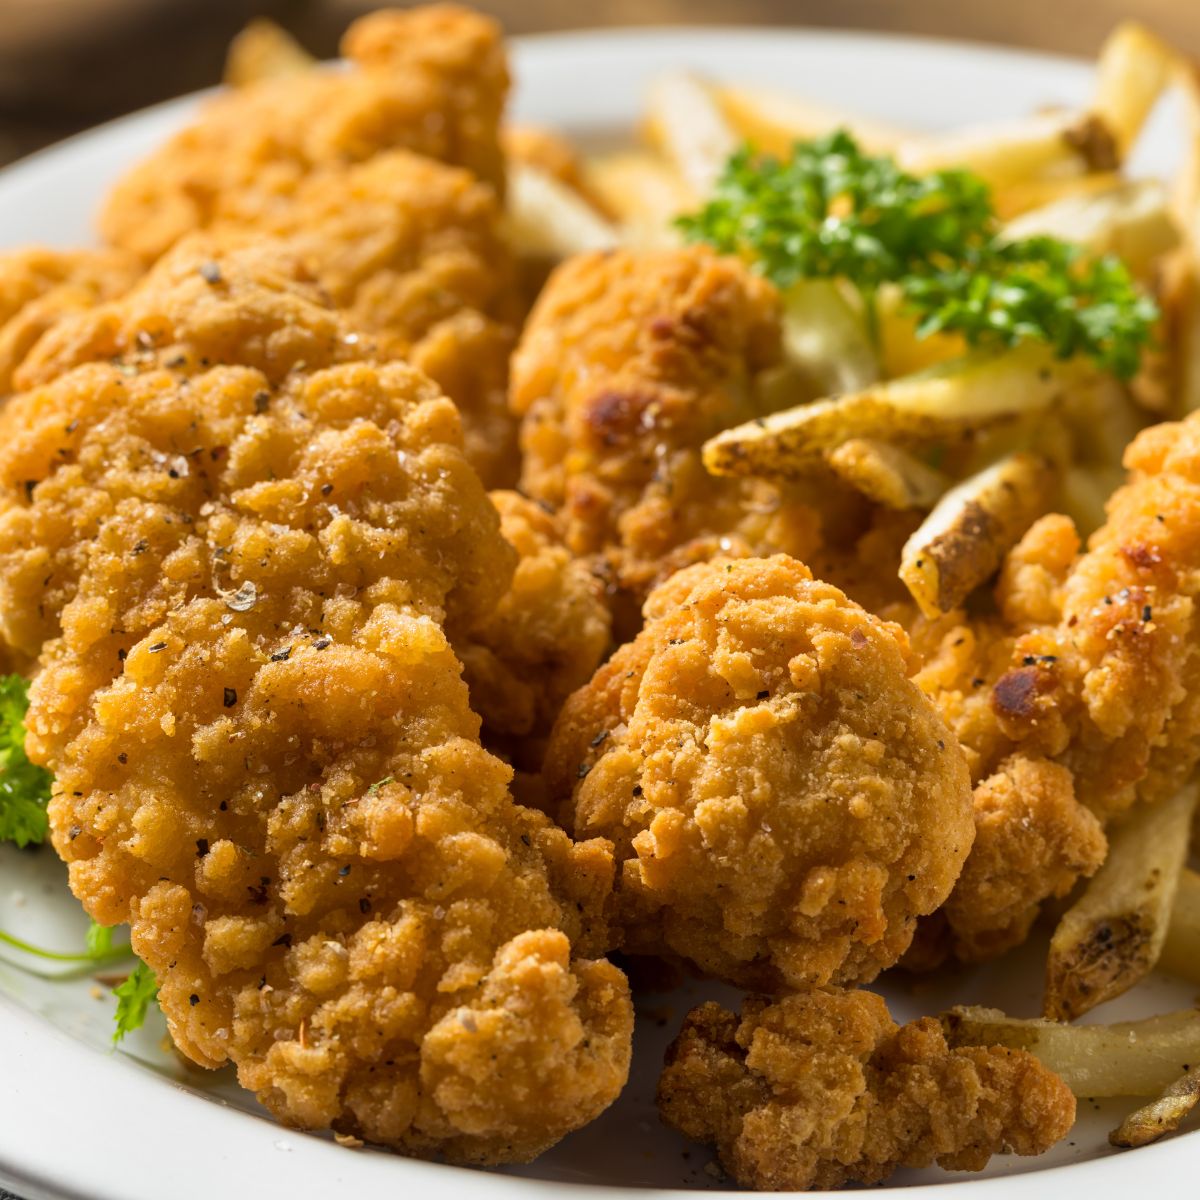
column 1093, row 665
column 628, row 363
column 823, row 1089
column 431, row 79
column 40, row 285
column 264, row 754
column 784, row 801
column 410, row 251
column 546, row 636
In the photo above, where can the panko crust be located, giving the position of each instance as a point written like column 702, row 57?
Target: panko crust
column 784, row 801
column 264, row 754
column 823, row 1089
column 40, row 285
column 628, row 364
column 546, row 636
column 432, row 80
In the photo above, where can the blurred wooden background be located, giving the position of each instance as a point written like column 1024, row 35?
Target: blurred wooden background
column 68, row 64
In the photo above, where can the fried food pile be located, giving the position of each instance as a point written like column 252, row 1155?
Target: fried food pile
column 265, row 758
column 398, row 658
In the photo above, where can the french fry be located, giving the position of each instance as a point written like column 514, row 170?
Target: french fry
column 946, row 401
column 1181, row 949
column 643, row 193
column 887, row 474
column 1132, row 1058
column 826, row 339
column 963, row 541
column 1015, row 199
column 1006, row 153
column 1113, row 935
column 1133, row 221
column 1132, row 72
column 1084, row 495
column 688, row 126
column 1161, row 1116
column 773, row 121
column 263, row 50
column 548, row 219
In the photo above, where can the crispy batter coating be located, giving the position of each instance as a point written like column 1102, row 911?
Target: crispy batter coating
column 265, row 758
column 1093, row 664
column 547, row 635
column 823, row 1089
column 1033, row 841
column 629, row 362
column 431, row 79
column 409, row 250
column 785, row 801
column 40, row 285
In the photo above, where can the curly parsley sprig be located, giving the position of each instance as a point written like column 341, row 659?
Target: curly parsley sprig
column 24, row 787
column 832, row 212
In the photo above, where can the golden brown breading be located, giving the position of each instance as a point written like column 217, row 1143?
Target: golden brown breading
column 824, row 1089
column 785, row 801
column 1033, row 840
column 629, row 362
column 546, row 636
column 39, row 285
column 410, row 250
column 432, row 80
column 264, row 754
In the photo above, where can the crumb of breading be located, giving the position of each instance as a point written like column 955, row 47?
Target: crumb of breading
column 822, row 1089
column 628, row 364
column 40, row 285
column 432, row 80
column 265, row 758
column 785, row 801
column 546, row 636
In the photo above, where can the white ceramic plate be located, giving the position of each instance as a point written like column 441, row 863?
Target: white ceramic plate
column 78, row 1121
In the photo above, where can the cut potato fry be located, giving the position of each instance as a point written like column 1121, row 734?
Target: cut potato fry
column 1006, row 153
column 1132, row 221
column 643, row 193
column 1132, row 72
column 887, row 474
column 688, row 126
column 1133, row 1058
column 963, row 541
column 946, row 401
column 1085, row 493
column 548, row 219
column 772, row 121
column 263, row 50
column 1181, row 950
column 826, row 339
column 1161, row 1116
column 1018, row 198
column 1113, row 935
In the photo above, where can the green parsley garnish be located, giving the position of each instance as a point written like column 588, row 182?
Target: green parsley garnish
column 134, row 997
column 832, row 212
column 99, row 947
column 24, row 788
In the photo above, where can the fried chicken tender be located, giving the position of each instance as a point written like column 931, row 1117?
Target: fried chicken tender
column 823, row 1089
column 409, row 250
column 432, row 80
column 628, row 363
column 264, row 754
column 1093, row 665
column 546, row 636
column 40, row 285
column 784, row 800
